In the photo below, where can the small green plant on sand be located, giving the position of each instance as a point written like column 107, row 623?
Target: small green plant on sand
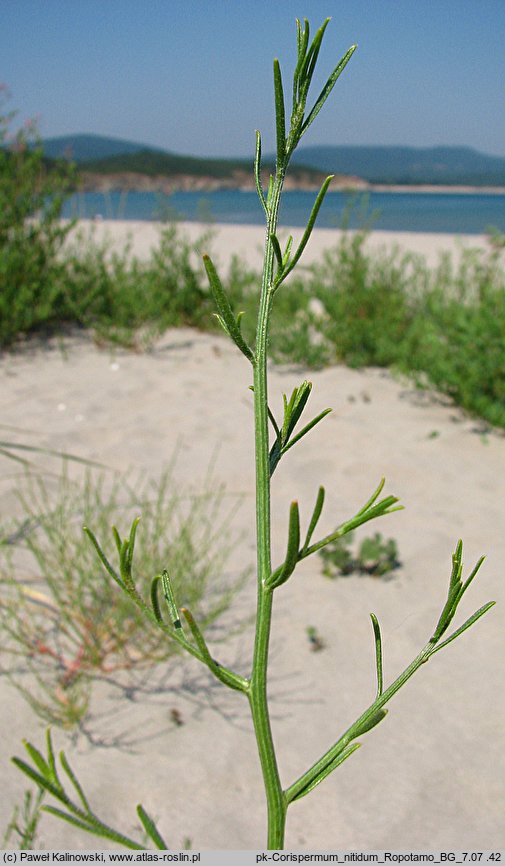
column 62, row 623
column 24, row 821
column 162, row 607
column 375, row 556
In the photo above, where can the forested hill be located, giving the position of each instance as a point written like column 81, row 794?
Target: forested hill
column 108, row 162
column 100, row 157
column 407, row 165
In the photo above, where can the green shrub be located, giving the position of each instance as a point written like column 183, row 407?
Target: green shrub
column 375, row 557
column 32, row 192
column 457, row 341
column 367, row 301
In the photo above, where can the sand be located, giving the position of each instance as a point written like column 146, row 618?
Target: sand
column 432, row 775
column 246, row 241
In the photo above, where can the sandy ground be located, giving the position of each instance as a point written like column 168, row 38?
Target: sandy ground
column 432, row 775
column 246, row 241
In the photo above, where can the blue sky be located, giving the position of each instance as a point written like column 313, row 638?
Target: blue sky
column 195, row 77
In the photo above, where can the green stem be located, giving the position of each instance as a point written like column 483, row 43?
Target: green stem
column 276, row 800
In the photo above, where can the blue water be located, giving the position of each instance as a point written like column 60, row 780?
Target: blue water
column 455, row 213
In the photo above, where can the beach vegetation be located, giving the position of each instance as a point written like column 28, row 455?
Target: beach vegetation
column 32, row 192
column 23, row 825
column 163, row 606
column 62, row 624
column 375, row 556
column 441, row 326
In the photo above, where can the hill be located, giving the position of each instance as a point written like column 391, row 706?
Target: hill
column 112, row 163
column 82, row 148
column 108, row 162
column 407, row 165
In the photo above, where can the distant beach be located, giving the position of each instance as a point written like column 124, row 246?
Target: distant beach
column 246, row 241
column 432, row 209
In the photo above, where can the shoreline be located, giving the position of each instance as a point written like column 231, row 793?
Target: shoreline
column 430, row 188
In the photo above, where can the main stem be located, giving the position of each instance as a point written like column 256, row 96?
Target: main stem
column 276, row 800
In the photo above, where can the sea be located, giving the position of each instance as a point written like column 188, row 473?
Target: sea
column 452, row 213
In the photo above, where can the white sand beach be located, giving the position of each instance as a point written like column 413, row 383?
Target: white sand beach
column 432, row 775
column 246, row 241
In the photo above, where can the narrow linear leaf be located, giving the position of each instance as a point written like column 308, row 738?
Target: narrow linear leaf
column 448, row 612
column 155, row 602
column 270, row 191
column 257, row 172
column 313, row 54
column 322, row 775
column 199, row 638
column 101, row 555
column 277, row 250
column 294, row 409
column 309, row 61
column 457, row 565
column 280, row 119
column 287, row 251
column 95, row 827
column 378, row 653
column 224, row 308
column 38, row 759
column 469, row 622
column 275, row 455
column 306, row 429
column 472, row 575
column 50, row 757
column 151, row 829
column 274, row 423
column 385, row 506
column 308, row 230
column 302, row 37
column 316, row 514
column 328, row 87
column 222, row 673
column 380, row 510
column 375, row 495
column 75, row 782
column 292, row 549
column 125, row 567
column 131, row 542
column 453, row 595
column 117, row 539
column 168, row 592
column 39, row 780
